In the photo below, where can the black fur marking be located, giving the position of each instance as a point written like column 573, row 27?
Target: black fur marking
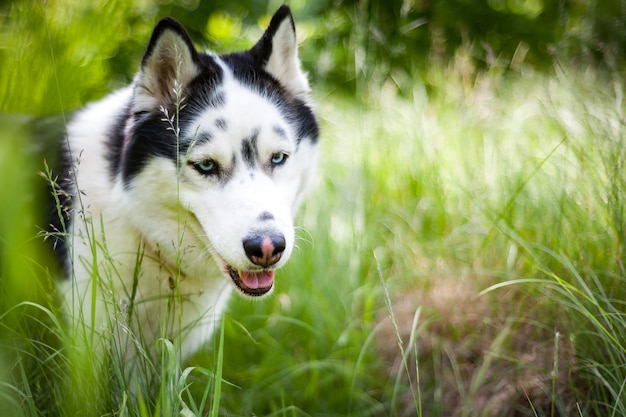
column 281, row 132
column 115, row 142
column 204, row 92
column 221, row 124
column 202, row 138
column 149, row 138
column 59, row 195
column 266, row 216
column 249, row 151
column 301, row 115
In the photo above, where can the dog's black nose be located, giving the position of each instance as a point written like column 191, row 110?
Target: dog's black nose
column 264, row 250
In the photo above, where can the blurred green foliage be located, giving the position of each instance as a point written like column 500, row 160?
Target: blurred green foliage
column 348, row 43
column 55, row 56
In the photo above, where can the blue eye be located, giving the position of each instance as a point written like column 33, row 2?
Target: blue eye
column 279, row 158
column 207, row 167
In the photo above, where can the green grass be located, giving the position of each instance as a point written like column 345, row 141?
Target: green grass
column 473, row 228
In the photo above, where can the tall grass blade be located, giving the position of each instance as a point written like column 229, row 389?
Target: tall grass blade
column 217, row 390
column 403, row 354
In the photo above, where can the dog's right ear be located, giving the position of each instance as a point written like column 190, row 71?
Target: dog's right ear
column 170, row 63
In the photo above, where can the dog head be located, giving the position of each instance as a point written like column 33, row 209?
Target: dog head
column 219, row 151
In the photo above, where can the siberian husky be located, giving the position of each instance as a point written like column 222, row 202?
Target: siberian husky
column 183, row 186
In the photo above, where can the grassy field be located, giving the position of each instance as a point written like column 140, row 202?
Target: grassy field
column 461, row 254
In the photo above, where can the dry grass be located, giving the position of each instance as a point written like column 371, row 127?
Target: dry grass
column 478, row 355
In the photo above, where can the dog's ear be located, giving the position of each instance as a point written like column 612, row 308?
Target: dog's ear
column 277, row 51
column 170, row 63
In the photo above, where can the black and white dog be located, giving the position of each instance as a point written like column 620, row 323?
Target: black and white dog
column 183, row 186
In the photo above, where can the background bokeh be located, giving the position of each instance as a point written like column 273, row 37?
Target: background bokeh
column 462, row 253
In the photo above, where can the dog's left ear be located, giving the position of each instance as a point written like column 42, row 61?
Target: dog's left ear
column 170, row 62
column 277, row 51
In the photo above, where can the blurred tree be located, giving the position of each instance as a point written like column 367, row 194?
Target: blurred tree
column 408, row 35
column 347, row 41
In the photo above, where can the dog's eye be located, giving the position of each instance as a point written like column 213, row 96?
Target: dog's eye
column 206, row 167
column 279, row 158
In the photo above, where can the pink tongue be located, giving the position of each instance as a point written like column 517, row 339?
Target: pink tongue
column 256, row 280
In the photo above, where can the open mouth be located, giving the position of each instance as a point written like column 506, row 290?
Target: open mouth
column 252, row 283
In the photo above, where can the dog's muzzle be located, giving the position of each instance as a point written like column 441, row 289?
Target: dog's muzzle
column 263, row 250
